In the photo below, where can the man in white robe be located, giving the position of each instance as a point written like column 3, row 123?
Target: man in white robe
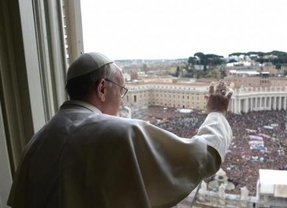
column 86, row 156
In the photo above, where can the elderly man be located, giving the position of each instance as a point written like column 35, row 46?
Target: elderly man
column 86, row 156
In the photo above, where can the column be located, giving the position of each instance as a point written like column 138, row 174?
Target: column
column 235, row 104
column 239, row 105
column 246, row 105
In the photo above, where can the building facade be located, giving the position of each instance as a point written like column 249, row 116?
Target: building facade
column 167, row 94
column 191, row 95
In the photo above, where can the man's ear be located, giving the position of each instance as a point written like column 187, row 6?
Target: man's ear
column 101, row 90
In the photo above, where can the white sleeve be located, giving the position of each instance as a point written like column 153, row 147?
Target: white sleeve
column 217, row 132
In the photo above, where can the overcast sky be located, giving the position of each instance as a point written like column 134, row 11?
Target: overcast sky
column 158, row 29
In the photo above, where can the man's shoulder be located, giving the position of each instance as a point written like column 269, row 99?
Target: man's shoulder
column 121, row 121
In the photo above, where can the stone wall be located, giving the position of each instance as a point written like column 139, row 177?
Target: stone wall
column 219, row 199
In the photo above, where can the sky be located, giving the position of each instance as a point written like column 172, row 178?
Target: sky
column 171, row 29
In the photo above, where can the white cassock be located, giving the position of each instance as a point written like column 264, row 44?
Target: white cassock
column 82, row 158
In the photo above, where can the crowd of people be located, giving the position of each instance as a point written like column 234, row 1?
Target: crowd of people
column 243, row 160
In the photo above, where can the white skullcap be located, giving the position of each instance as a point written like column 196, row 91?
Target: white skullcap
column 87, row 63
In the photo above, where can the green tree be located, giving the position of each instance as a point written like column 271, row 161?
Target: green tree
column 177, row 71
column 191, row 61
column 222, row 73
column 202, row 59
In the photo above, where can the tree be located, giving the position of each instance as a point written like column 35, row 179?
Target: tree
column 222, row 73
column 202, row 59
column 191, row 61
column 177, row 71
